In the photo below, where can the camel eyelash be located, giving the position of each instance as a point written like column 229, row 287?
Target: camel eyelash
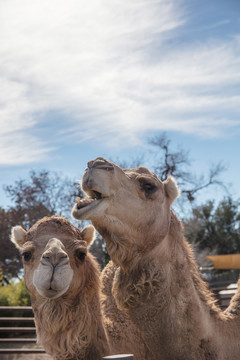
column 147, row 186
column 27, row 255
column 80, row 254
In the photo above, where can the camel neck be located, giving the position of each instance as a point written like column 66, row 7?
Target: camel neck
column 165, row 295
column 71, row 330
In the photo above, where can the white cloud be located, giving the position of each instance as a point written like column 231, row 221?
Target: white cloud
column 20, row 148
column 105, row 66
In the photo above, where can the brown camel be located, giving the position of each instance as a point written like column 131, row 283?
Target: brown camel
column 64, row 283
column 156, row 281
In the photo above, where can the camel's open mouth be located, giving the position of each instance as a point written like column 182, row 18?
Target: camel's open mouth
column 93, row 197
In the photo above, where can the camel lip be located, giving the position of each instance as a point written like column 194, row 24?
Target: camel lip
column 87, row 204
column 52, row 293
column 52, row 290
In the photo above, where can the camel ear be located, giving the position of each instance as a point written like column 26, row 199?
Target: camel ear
column 18, row 236
column 88, row 234
column 171, row 188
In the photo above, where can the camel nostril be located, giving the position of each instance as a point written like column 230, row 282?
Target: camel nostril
column 63, row 259
column 45, row 260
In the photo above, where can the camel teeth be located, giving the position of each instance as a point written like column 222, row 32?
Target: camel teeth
column 84, row 202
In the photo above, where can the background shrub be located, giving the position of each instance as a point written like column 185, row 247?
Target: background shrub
column 14, row 294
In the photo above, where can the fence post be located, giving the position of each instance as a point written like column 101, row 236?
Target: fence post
column 117, row 357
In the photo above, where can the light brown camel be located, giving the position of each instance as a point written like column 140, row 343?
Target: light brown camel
column 157, row 281
column 64, row 283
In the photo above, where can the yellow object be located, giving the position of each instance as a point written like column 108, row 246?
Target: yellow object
column 225, row 261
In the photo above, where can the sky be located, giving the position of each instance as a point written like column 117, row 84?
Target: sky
column 81, row 79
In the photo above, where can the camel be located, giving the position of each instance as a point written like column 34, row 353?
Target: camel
column 156, row 280
column 64, row 283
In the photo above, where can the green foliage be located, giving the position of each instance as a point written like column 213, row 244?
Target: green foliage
column 14, row 294
column 216, row 229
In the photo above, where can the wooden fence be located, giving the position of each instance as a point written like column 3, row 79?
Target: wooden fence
column 17, row 331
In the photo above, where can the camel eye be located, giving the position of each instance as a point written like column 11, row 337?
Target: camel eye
column 27, row 255
column 80, row 255
column 149, row 187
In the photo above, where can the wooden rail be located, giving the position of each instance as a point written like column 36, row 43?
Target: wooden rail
column 118, row 357
column 10, row 309
column 22, row 351
column 17, row 340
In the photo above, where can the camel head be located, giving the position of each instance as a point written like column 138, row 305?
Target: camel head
column 126, row 201
column 53, row 250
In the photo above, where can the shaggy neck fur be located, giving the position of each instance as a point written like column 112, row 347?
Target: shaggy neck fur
column 71, row 327
column 165, row 297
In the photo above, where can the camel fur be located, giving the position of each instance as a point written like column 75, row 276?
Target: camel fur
column 156, row 281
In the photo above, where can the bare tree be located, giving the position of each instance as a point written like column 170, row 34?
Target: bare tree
column 130, row 163
column 177, row 163
column 42, row 193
